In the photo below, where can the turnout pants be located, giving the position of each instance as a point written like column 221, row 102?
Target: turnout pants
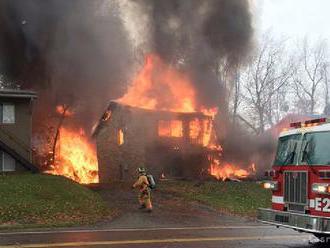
column 145, row 198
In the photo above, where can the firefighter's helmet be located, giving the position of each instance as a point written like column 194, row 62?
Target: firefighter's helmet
column 142, row 170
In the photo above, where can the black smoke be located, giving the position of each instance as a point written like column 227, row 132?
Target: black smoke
column 203, row 34
column 70, row 51
column 202, row 37
column 78, row 51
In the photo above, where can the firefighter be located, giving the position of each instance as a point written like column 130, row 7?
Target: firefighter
column 144, row 189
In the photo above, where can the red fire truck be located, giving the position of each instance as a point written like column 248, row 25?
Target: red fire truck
column 300, row 179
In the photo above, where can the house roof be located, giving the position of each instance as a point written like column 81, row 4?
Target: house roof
column 16, row 93
column 166, row 114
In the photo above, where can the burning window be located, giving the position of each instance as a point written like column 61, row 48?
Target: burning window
column 120, row 137
column 200, row 131
column 195, row 130
column 207, row 131
column 171, row 128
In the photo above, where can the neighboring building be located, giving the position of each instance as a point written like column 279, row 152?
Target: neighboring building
column 16, row 130
column 128, row 137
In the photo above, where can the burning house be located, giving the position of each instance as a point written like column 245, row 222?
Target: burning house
column 168, row 133
column 168, row 143
column 188, row 46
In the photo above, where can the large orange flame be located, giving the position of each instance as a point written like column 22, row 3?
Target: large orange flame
column 224, row 171
column 75, row 157
column 162, row 87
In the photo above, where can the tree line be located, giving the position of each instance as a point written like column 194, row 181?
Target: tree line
column 279, row 77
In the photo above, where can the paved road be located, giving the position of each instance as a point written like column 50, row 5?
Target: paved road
column 252, row 235
column 173, row 223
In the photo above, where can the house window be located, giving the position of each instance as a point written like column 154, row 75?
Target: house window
column 106, row 116
column 196, row 131
column 7, row 162
column 7, row 112
column 120, row 137
column 172, row 128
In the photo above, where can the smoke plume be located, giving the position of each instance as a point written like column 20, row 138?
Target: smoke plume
column 70, row 51
column 201, row 34
column 82, row 51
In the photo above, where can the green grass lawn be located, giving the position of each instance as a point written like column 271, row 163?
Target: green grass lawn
column 242, row 198
column 45, row 200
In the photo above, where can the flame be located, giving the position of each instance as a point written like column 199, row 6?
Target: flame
column 195, row 129
column 209, row 112
column 162, row 87
column 120, row 137
column 172, row 128
column 61, row 109
column 75, row 157
column 222, row 172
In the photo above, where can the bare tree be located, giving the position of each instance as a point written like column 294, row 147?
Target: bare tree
column 228, row 76
column 223, row 73
column 278, row 105
column 310, row 76
column 236, row 94
column 264, row 81
column 233, row 89
column 63, row 113
column 326, row 89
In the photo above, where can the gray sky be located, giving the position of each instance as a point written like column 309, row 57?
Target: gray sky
column 294, row 18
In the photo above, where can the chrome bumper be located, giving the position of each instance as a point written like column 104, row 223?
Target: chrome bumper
column 299, row 222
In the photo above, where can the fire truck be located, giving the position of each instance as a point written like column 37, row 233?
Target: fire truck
column 300, row 179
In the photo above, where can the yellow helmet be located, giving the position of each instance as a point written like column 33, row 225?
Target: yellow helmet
column 142, row 170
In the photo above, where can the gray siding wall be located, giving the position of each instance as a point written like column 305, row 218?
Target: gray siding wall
column 18, row 135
